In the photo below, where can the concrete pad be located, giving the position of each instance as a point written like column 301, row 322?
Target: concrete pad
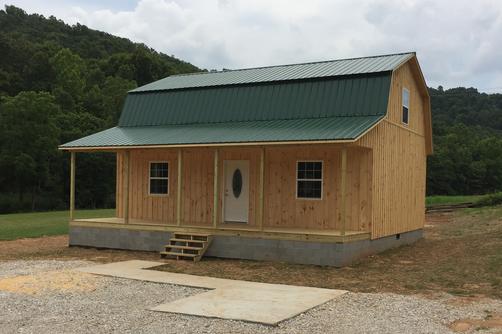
column 135, row 269
column 228, row 299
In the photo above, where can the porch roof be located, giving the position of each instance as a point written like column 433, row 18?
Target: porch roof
column 293, row 130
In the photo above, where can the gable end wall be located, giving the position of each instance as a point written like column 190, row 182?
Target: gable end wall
column 399, row 161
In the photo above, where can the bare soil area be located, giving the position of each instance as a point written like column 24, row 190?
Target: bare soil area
column 56, row 247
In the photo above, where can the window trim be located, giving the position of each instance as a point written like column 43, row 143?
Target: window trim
column 321, row 179
column 407, row 106
column 150, row 177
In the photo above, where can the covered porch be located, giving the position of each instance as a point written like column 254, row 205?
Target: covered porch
column 198, row 188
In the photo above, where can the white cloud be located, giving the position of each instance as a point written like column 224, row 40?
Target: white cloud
column 458, row 42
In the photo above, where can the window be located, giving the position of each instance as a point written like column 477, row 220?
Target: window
column 309, row 179
column 159, row 178
column 406, row 106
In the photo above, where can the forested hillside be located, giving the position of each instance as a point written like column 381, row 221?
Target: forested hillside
column 467, row 128
column 59, row 83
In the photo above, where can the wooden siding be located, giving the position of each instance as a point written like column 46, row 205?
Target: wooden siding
column 281, row 207
column 142, row 205
column 399, row 162
column 404, row 78
column 197, row 187
column 119, row 185
column 284, row 210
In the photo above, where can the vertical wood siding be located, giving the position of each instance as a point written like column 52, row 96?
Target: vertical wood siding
column 399, row 162
column 284, row 210
column 404, row 78
column 141, row 204
column 281, row 208
column 197, row 187
column 119, row 203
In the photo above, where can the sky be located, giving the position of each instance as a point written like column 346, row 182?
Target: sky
column 458, row 43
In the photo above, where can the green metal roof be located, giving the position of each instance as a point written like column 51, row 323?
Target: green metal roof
column 312, row 129
column 344, row 96
column 336, row 100
column 321, row 69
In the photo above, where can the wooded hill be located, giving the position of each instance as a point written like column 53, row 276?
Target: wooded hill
column 467, row 134
column 61, row 82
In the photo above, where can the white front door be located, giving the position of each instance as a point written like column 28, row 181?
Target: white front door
column 236, row 191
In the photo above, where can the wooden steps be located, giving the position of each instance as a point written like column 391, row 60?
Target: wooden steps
column 187, row 246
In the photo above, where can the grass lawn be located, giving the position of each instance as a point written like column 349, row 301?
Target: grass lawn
column 37, row 224
column 436, row 200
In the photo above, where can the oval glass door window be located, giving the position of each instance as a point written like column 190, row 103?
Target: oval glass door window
column 237, row 183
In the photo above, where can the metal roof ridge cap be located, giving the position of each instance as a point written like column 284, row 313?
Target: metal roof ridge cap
column 292, row 64
column 410, row 53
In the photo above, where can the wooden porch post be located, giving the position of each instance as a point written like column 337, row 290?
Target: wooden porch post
column 178, row 191
column 262, row 184
column 127, row 172
column 215, row 188
column 72, row 185
column 343, row 211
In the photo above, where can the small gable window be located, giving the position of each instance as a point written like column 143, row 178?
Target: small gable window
column 309, row 179
column 406, row 106
column 159, row 178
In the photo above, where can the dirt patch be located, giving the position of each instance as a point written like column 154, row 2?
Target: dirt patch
column 491, row 321
column 466, row 301
column 57, row 248
column 65, row 281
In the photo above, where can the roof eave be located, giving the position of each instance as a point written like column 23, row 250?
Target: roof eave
column 231, row 144
column 222, row 144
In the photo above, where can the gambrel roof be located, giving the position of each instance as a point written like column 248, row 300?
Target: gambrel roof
column 337, row 100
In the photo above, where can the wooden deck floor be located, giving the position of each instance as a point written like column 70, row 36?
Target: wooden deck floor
column 227, row 229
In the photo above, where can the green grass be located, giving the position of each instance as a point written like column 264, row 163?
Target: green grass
column 37, row 224
column 435, row 200
column 486, row 212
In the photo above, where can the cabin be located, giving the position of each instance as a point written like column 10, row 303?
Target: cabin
column 316, row 163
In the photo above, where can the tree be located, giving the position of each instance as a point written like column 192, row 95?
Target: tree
column 114, row 92
column 28, row 136
column 85, row 75
column 70, row 80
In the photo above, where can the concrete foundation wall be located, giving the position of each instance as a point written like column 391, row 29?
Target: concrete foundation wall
column 237, row 247
column 305, row 252
column 115, row 238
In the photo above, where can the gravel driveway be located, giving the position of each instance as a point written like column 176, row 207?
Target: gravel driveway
column 65, row 301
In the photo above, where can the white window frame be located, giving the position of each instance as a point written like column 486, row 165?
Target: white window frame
column 407, row 106
column 150, row 177
column 321, row 179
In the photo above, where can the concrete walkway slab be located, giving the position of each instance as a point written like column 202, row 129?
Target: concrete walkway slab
column 228, row 299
